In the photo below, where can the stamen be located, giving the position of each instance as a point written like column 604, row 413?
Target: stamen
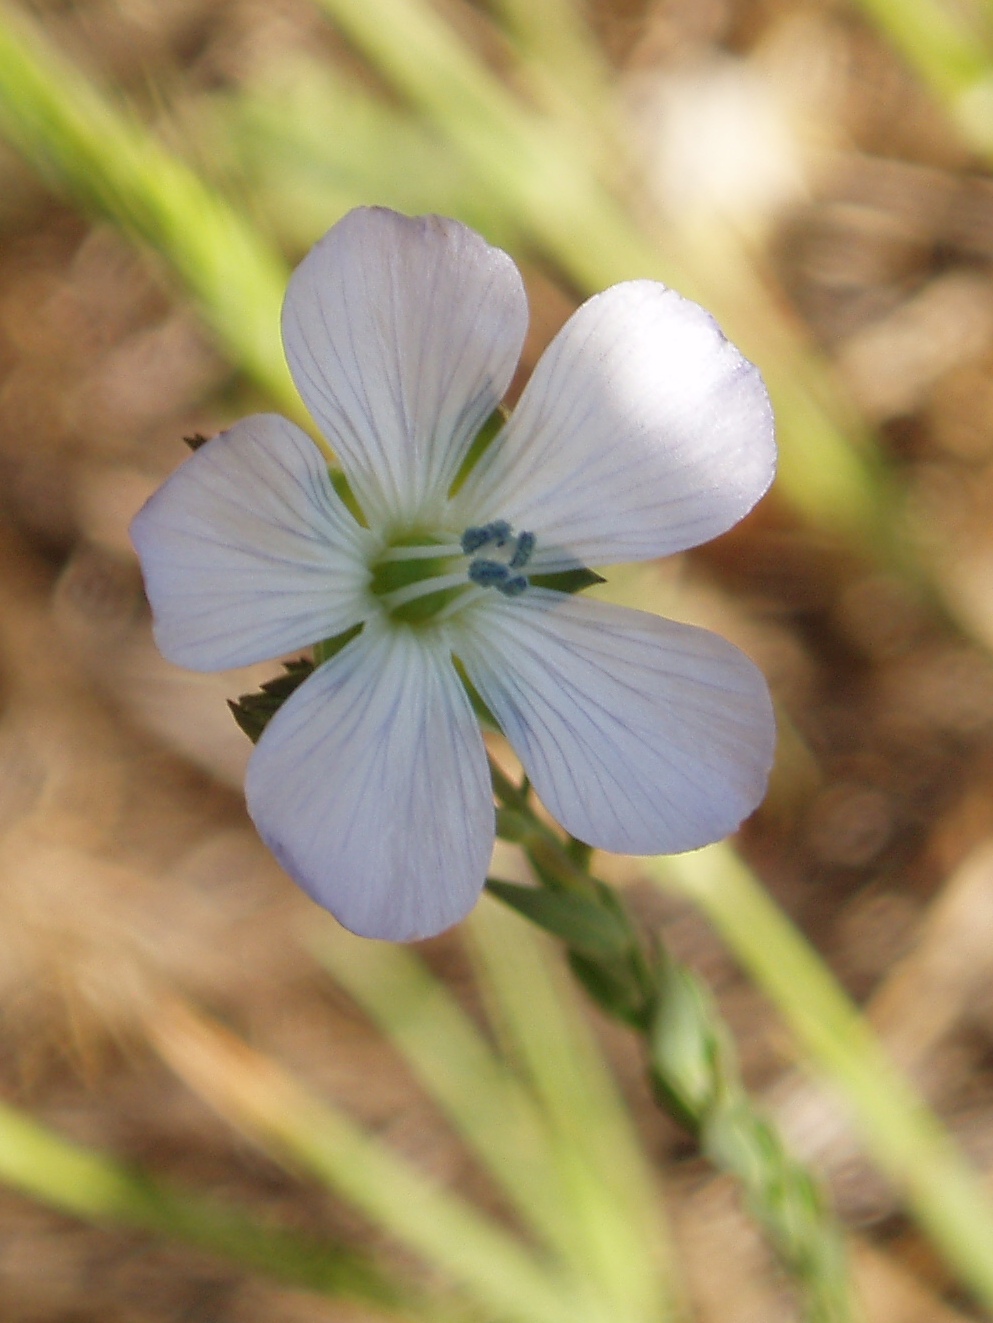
column 525, row 546
column 497, row 532
column 474, row 538
column 419, row 582
column 422, row 588
column 427, row 552
column 488, row 573
column 513, row 587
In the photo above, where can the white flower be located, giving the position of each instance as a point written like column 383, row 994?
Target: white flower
column 642, row 432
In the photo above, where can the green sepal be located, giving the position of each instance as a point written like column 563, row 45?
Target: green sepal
column 196, row 440
column 343, row 489
column 253, row 712
column 580, row 853
column 583, row 924
column 329, row 648
column 684, row 1051
column 483, row 714
column 567, row 581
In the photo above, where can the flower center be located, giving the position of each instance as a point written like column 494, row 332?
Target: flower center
column 418, row 579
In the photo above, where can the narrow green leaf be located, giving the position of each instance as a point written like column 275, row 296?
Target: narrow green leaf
column 581, row 923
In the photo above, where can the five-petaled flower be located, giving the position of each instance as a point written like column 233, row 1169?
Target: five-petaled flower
column 641, row 432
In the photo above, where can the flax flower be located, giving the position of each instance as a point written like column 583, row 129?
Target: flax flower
column 641, row 432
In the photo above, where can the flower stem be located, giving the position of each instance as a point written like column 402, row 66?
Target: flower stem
column 691, row 1060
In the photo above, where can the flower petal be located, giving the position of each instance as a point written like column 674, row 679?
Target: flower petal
column 402, row 336
column 640, row 735
column 248, row 552
column 642, row 432
column 371, row 788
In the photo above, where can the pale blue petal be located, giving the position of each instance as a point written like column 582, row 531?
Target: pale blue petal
column 402, row 336
column 247, row 551
column 371, row 787
column 640, row 735
column 642, row 432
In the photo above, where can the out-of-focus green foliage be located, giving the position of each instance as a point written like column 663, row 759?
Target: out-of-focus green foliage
column 106, row 162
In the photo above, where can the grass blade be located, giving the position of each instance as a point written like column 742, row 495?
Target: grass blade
column 621, row 1232
column 92, row 1186
column 105, row 161
column 900, row 1133
column 274, row 1109
column 478, row 1092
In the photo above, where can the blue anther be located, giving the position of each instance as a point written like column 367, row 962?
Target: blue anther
column 474, row 538
column 522, row 554
column 488, row 573
column 498, row 532
column 513, row 587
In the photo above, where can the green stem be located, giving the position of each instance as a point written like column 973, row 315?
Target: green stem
column 691, row 1060
column 902, row 1135
column 88, row 1185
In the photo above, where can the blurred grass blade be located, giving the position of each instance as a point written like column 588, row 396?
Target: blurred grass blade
column 942, row 47
column 275, row 1110
column 482, row 1097
column 91, row 1186
column 103, row 160
column 533, row 1007
column 453, row 1061
column 900, row 1133
column 312, row 143
column 555, row 42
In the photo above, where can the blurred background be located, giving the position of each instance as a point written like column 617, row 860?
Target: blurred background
column 817, row 173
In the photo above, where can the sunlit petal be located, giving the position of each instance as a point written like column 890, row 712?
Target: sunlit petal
column 640, row 735
column 247, row 551
column 402, row 336
column 642, row 431
column 371, row 788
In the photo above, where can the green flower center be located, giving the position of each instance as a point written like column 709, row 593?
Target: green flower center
column 421, row 579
